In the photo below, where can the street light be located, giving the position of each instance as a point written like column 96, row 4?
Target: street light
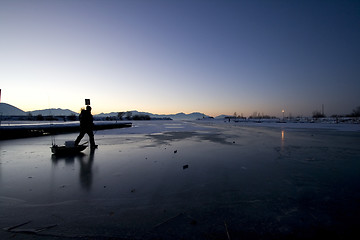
column 283, row 112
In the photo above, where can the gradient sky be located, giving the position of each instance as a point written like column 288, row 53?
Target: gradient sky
column 215, row 57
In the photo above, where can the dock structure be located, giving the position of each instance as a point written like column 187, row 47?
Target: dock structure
column 36, row 130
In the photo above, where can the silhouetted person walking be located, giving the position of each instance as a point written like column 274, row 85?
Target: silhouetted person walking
column 86, row 126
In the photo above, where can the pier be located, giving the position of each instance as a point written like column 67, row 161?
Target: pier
column 36, row 130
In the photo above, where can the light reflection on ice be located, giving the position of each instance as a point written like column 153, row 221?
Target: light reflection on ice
column 282, row 139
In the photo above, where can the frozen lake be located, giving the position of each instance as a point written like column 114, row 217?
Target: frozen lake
column 186, row 180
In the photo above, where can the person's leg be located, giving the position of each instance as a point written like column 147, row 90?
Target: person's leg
column 78, row 139
column 92, row 140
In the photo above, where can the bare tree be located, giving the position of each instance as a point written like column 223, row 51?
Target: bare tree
column 121, row 115
column 128, row 115
column 318, row 114
column 356, row 112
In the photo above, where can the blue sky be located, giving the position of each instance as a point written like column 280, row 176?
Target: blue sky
column 215, row 57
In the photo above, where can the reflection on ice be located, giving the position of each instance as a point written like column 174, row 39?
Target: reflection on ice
column 86, row 170
column 68, row 159
column 243, row 174
column 282, row 139
column 85, row 162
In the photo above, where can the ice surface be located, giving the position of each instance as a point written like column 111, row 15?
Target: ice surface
column 257, row 180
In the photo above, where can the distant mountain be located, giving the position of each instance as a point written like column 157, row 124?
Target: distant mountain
column 53, row 112
column 115, row 114
column 9, row 110
column 191, row 116
column 178, row 116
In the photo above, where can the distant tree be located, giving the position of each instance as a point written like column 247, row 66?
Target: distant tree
column 110, row 118
column 121, row 115
column 254, row 115
column 49, row 118
column 39, row 117
column 72, row 117
column 317, row 114
column 141, row 117
column 356, row 112
column 128, row 115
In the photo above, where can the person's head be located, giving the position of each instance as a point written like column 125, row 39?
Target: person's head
column 88, row 108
